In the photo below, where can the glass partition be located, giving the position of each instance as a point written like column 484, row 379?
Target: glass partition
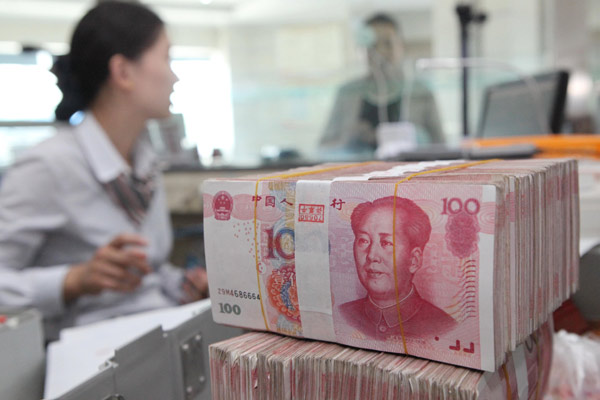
column 265, row 81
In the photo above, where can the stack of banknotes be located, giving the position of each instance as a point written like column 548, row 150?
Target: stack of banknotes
column 266, row 366
column 452, row 261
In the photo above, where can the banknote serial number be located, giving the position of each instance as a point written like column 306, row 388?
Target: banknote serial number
column 240, row 294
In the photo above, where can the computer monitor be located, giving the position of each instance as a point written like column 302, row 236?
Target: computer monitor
column 509, row 108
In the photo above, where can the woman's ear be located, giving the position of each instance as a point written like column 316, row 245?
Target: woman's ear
column 120, row 72
column 416, row 260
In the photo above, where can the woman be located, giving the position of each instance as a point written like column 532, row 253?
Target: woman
column 84, row 228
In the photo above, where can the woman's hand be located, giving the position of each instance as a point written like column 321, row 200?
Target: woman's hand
column 195, row 285
column 118, row 266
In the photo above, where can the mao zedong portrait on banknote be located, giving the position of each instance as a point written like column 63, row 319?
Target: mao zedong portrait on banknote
column 380, row 313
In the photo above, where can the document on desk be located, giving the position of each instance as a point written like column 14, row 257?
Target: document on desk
column 81, row 351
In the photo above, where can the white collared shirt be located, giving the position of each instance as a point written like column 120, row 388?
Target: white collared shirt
column 55, row 212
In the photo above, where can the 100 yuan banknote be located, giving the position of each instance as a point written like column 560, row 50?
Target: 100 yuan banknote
column 406, row 272
column 316, row 259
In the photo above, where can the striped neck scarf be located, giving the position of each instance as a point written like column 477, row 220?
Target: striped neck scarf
column 132, row 194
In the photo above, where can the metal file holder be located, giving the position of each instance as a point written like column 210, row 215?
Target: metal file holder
column 99, row 387
column 143, row 368
column 189, row 348
column 22, row 356
column 159, row 365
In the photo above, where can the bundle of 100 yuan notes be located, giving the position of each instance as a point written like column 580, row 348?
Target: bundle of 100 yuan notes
column 265, row 366
column 450, row 261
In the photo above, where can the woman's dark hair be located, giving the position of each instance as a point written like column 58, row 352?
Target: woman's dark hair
column 112, row 27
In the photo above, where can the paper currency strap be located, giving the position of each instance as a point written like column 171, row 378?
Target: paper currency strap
column 285, row 176
column 539, row 369
column 408, row 178
column 539, row 372
column 508, row 391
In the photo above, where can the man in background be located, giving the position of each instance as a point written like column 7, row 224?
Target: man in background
column 383, row 96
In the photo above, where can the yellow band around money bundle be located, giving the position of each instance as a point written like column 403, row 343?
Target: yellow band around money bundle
column 285, row 176
column 508, row 392
column 408, row 178
column 539, row 370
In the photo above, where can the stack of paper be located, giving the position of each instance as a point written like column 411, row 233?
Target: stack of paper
column 267, row 366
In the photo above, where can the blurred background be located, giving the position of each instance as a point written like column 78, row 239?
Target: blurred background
column 258, row 78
